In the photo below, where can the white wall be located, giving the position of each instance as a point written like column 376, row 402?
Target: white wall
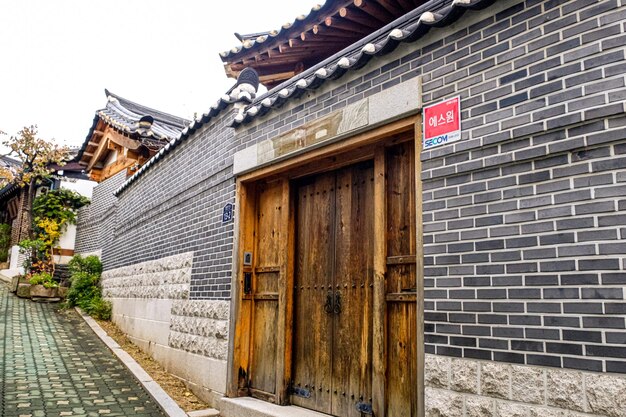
column 82, row 187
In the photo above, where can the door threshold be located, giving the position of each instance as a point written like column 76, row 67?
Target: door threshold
column 252, row 407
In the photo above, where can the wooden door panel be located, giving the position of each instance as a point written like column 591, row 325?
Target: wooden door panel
column 402, row 360
column 313, row 278
column 263, row 369
column 269, row 229
column 401, row 323
column 352, row 335
column 264, row 297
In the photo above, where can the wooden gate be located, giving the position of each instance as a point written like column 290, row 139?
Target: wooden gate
column 333, row 292
column 327, row 307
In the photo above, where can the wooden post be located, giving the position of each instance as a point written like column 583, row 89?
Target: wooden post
column 379, row 359
column 240, row 309
column 419, row 267
column 285, row 297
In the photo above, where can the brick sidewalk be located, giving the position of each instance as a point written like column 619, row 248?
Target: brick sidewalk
column 52, row 364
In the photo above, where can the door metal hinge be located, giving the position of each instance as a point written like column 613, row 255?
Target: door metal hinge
column 365, row 408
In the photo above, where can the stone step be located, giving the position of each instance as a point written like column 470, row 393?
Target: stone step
column 251, row 407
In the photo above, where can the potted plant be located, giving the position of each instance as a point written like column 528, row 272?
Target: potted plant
column 42, row 285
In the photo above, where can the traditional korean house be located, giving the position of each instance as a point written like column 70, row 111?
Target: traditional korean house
column 425, row 218
column 278, row 55
column 14, row 201
column 122, row 137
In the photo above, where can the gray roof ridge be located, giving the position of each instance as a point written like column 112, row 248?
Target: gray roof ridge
column 142, row 110
column 224, row 102
column 407, row 28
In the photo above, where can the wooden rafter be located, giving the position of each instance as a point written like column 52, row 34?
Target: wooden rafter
column 106, row 143
column 343, row 25
column 299, row 43
column 358, row 16
column 275, row 78
column 323, row 32
column 374, row 9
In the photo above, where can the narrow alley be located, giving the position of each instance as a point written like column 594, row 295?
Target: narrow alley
column 54, row 365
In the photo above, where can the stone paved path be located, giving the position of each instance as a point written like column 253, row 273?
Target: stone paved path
column 52, row 364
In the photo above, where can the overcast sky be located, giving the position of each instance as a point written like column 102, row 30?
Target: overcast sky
column 58, row 56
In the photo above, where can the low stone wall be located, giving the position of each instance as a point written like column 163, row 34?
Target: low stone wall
column 474, row 388
column 200, row 326
column 188, row 337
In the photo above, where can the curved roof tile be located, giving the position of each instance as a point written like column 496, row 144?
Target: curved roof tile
column 408, row 28
column 300, row 21
column 124, row 115
column 221, row 104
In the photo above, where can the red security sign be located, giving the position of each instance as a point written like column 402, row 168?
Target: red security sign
column 442, row 123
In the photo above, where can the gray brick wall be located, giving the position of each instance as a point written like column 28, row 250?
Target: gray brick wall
column 524, row 219
column 93, row 227
column 177, row 207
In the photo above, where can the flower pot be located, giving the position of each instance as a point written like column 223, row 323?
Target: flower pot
column 39, row 291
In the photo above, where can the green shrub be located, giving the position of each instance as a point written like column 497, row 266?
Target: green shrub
column 100, row 309
column 91, row 264
column 61, row 205
column 85, row 287
column 85, row 290
column 43, row 278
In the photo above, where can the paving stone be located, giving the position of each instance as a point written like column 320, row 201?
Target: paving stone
column 52, row 364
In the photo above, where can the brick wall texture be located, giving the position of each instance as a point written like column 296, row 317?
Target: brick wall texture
column 177, row 207
column 524, row 219
column 95, row 220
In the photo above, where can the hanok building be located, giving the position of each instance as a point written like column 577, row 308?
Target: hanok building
column 14, row 201
column 122, row 137
column 367, row 271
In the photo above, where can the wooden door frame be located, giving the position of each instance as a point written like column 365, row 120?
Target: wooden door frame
column 367, row 145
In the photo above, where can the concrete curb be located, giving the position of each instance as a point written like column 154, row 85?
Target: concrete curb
column 167, row 404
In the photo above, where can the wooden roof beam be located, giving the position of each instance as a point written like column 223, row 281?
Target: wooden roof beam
column 374, row 9
column 102, row 147
column 269, row 79
column 356, row 15
column 323, row 32
column 298, row 43
column 341, row 24
column 107, row 143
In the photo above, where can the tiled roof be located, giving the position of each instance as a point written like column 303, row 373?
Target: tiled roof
column 408, row 28
column 224, row 102
column 124, row 115
column 249, row 42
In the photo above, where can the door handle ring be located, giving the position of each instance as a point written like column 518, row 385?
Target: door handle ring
column 328, row 307
column 337, row 307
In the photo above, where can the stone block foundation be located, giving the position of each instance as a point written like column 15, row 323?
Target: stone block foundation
column 474, row 388
column 188, row 337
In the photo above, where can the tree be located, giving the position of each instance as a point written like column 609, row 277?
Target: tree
column 35, row 155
